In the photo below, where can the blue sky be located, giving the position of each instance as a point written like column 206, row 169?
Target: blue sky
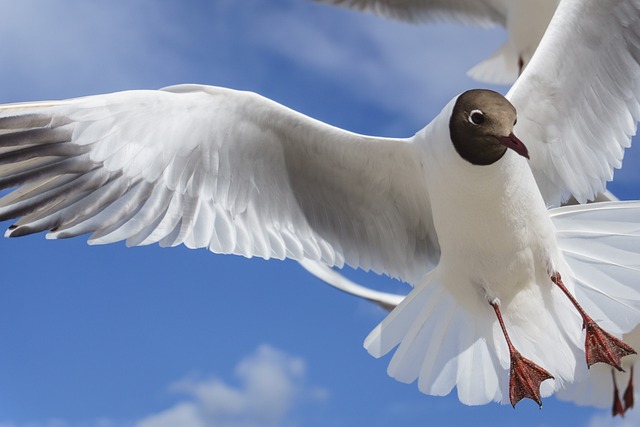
column 109, row 336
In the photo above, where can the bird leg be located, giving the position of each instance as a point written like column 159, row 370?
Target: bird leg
column 599, row 345
column 525, row 376
column 616, row 408
column 628, row 393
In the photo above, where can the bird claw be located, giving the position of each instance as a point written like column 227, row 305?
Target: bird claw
column 602, row 347
column 525, row 379
column 618, row 408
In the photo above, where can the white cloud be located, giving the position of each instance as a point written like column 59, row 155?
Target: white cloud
column 272, row 387
column 272, row 384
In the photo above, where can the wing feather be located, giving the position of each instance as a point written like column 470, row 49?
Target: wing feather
column 578, row 100
column 215, row 168
column 485, row 13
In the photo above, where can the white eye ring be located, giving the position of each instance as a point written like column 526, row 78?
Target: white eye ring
column 476, row 117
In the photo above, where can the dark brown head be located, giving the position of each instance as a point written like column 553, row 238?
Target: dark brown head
column 481, row 127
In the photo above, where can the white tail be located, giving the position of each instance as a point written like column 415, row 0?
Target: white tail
column 442, row 345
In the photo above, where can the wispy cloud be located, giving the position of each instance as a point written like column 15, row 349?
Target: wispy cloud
column 271, row 388
column 272, row 384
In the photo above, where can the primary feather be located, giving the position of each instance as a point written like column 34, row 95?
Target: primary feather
column 212, row 167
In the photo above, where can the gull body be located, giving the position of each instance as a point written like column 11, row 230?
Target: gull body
column 479, row 213
column 459, row 210
column 525, row 22
column 497, row 246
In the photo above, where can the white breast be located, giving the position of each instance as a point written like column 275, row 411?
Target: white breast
column 492, row 224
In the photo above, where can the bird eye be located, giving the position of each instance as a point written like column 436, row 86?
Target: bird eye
column 476, row 117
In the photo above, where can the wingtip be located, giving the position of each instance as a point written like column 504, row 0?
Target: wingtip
column 18, row 231
column 9, row 231
column 372, row 342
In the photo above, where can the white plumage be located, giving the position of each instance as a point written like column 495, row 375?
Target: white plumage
column 237, row 173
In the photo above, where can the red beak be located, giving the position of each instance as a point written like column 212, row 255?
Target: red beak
column 515, row 144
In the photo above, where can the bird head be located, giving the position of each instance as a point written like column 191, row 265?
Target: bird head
column 481, row 127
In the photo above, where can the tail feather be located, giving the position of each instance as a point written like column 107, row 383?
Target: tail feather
column 601, row 244
column 479, row 371
column 406, row 363
column 442, row 346
column 438, row 371
column 396, row 323
column 595, row 390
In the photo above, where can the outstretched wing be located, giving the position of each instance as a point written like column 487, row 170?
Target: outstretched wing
column 578, row 99
column 214, row 168
column 485, row 13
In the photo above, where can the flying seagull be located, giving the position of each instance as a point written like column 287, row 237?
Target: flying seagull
column 503, row 286
column 524, row 20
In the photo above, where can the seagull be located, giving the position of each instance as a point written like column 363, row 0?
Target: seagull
column 524, row 20
column 510, row 301
column 526, row 23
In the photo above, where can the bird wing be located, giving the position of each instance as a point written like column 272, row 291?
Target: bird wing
column 578, row 99
column 387, row 301
column 215, row 168
column 484, row 13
